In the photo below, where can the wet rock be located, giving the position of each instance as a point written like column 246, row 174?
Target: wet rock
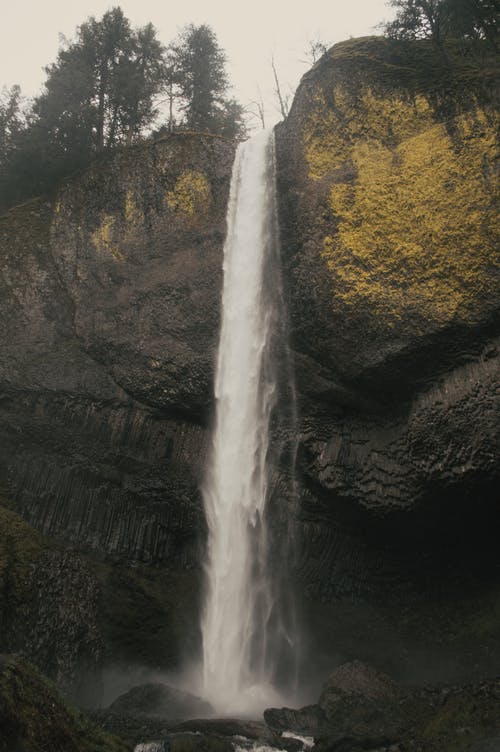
column 191, row 742
column 355, row 744
column 491, row 745
column 34, row 717
column 357, row 678
column 228, row 727
column 110, row 302
column 162, row 701
column 307, row 720
column 363, row 709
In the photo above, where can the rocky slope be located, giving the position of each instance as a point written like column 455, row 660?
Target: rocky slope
column 34, row 717
column 363, row 709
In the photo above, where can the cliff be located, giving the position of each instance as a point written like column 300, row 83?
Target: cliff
column 387, row 173
column 388, row 168
column 389, row 188
column 110, row 300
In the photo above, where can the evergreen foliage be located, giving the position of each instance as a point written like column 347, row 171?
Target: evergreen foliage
column 102, row 93
column 199, row 71
column 466, row 20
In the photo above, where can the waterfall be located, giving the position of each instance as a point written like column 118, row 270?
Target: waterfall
column 238, row 624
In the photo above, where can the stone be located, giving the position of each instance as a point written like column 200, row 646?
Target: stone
column 358, row 678
column 160, row 700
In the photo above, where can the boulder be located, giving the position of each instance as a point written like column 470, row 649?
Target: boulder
column 160, row 700
column 357, row 678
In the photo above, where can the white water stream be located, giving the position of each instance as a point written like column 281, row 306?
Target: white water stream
column 238, row 664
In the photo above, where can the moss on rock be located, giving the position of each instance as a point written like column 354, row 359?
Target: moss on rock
column 413, row 200
column 390, row 162
column 190, row 196
column 34, row 717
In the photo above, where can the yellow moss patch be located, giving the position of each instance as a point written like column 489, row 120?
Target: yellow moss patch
column 191, row 195
column 103, row 238
column 133, row 214
column 420, row 226
column 332, row 131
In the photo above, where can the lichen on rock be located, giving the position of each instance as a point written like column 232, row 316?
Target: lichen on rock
column 419, row 227
column 191, row 195
column 413, row 202
column 104, row 238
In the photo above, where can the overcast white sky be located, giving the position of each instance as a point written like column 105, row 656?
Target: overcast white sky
column 249, row 31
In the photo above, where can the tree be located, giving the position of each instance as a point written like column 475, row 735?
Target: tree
column 11, row 121
column 472, row 20
column 198, row 67
column 138, row 78
column 465, row 20
column 257, row 110
column 316, row 48
column 101, row 90
column 229, row 120
column 283, row 99
column 99, row 93
column 417, row 19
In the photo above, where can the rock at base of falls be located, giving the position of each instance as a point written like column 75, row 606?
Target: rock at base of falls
column 160, row 700
column 361, row 708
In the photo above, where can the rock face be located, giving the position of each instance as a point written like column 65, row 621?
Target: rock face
column 49, row 608
column 111, row 302
column 388, row 186
column 109, row 296
column 361, row 708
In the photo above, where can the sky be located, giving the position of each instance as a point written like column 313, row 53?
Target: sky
column 251, row 33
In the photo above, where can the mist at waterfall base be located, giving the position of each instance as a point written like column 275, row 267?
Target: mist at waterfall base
column 249, row 635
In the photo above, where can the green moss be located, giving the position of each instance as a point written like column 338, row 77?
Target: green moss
column 20, row 547
column 147, row 615
column 463, row 719
column 420, row 226
column 34, row 717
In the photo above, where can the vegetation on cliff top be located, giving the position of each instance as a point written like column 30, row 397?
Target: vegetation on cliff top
column 468, row 21
column 105, row 91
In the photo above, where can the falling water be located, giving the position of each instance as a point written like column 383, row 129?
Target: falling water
column 237, row 626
